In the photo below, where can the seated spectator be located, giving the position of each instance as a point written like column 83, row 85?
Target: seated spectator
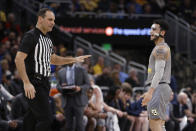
column 113, row 8
column 147, row 9
column 173, row 6
column 98, row 67
column 134, row 7
column 103, row 5
column 119, row 102
column 115, row 78
column 11, row 24
column 133, row 79
column 59, row 116
column 180, row 110
column 105, row 79
column 122, row 75
column 169, row 122
column 142, row 2
column 155, row 7
column 2, row 30
column 3, row 51
column 6, row 123
column 101, row 106
column 186, row 10
column 136, row 114
column 11, row 38
column 89, row 5
column 92, row 113
column 5, row 93
column 2, row 16
column 76, row 6
column 19, row 108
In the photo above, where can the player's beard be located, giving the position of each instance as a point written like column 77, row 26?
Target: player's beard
column 155, row 38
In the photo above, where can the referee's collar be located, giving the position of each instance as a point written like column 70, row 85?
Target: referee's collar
column 37, row 29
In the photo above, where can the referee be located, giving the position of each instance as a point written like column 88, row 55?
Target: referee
column 33, row 61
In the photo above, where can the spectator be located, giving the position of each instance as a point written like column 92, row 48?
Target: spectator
column 115, row 78
column 98, row 67
column 142, row 2
column 122, row 75
column 93, row 114
column 79, row 52
column 169, row 123
column 173, row 6
column 186, row 10
column 113, row 8
column 89, row 5
column 76, row 6
column 133, row 79
column 103, row 5
column 2, row 30
column 19, row 108
column 155, row 7
column 7, row 124
column 58, row 112
column 97, row 100
column 105, row 79
column 134, row 7
column 2, row 16
column 3, row 51
column 11, row 24
column 180, row 110
column 10, row 38
column 147, row 9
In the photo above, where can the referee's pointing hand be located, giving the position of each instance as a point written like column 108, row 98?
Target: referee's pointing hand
column 81, row 58
column 29, row 90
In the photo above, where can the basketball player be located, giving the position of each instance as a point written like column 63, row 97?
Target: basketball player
column 159, row 72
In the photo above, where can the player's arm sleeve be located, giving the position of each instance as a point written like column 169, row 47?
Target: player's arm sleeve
column 159, row 70
column 27, row 44
column 161, row 55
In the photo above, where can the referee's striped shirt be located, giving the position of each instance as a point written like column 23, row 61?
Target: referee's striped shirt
column 39, row 48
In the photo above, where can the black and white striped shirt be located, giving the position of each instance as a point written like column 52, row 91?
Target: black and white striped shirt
column 39, row 48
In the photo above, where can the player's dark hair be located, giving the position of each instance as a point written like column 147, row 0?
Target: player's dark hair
column 42, row 12
column 163, row 24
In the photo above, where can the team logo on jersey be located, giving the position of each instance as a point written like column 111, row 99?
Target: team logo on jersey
column 149, row 70
column 154, row 112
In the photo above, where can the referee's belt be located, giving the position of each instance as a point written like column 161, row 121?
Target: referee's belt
column 159, row 83
column 40, row 77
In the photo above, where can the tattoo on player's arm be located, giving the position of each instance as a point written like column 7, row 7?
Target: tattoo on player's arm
column 162, row 52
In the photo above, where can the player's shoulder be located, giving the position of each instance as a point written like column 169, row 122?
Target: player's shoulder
column 162, row 51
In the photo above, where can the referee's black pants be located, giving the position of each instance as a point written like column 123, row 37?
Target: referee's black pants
column 39, row 115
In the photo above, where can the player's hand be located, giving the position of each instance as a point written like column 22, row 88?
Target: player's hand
column 29, row 90
column 146, row 98
column 81, row 58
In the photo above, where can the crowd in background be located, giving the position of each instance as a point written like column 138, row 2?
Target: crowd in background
column 185, row 9
column 120, row 97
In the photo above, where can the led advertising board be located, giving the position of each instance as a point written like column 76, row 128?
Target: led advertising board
column 115, row 31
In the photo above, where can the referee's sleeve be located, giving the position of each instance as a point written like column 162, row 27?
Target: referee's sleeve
column 27, row 44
